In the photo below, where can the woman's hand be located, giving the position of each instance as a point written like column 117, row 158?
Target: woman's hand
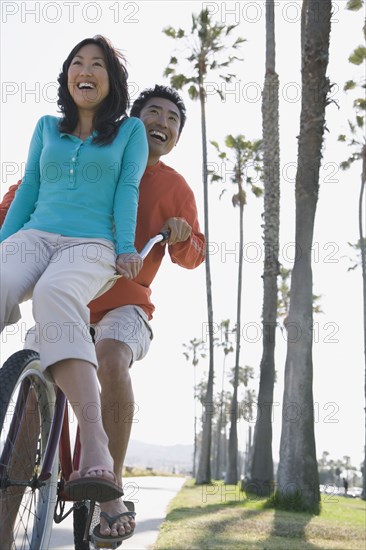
column 129, row 265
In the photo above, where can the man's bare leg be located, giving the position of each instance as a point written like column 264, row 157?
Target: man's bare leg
column 114, row 359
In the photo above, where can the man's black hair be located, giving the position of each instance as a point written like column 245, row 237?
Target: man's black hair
column 160, row 91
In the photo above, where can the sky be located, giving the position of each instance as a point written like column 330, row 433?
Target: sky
column 36, row 37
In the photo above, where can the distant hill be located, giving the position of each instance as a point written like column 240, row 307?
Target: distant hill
column 169, row 458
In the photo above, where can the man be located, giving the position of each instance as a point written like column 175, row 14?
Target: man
column 121, row 316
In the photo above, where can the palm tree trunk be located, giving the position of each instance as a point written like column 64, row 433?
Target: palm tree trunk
column 363, row 264
column 219, row 425
column 194, row 447
column 261, row 469
column 232, row 466
column 195, row 417
column 304, row 11
column 297, row 472
column 204, row 464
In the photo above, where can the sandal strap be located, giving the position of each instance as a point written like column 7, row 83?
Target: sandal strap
column 85, row 471
column 88, row 469
column 112, row 519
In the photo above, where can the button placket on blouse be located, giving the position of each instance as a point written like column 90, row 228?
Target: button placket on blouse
column 73, row 166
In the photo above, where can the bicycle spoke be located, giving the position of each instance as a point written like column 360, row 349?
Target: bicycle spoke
column 27, row 408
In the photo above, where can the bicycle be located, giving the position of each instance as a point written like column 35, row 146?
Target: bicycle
column 34, row 425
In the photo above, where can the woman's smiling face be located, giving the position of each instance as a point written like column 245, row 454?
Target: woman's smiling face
column 87, row 77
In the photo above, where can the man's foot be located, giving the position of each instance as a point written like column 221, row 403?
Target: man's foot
column 124, row 525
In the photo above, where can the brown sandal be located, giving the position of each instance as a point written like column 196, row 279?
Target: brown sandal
column 82, row 486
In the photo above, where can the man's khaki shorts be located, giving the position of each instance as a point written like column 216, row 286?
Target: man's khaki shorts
column 127, row 324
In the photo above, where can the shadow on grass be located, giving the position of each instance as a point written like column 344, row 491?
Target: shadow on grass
column 197, row 511
column 215, row 529
column 220, row 532
column 291, row 527
column 288, row 530
column 249, row 531
column 246, row 533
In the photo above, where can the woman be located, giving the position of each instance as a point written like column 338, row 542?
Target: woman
column 70, row 228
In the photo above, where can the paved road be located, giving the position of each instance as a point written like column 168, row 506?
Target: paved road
column 151, row 496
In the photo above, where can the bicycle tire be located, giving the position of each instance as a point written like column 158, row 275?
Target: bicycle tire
column 26, row 511
column 80, row 516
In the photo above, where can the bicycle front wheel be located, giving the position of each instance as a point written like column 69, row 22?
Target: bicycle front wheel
column 27, row 405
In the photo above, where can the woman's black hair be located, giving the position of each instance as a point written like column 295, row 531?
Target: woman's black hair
column 111, row 111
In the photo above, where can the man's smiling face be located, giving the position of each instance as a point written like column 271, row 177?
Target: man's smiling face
column 161, row 118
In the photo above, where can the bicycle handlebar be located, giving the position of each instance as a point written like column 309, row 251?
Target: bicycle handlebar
column 163, row 236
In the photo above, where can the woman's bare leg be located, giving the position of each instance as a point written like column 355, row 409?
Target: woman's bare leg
column 78, row 380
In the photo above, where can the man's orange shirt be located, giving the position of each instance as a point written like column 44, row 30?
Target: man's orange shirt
column 7, row 200
column 163, row 194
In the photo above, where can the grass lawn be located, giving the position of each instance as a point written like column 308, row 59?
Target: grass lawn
column 221, row 517
column 142, row 472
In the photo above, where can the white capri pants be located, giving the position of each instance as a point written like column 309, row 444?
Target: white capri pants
column 63, row 274
column 127, row 324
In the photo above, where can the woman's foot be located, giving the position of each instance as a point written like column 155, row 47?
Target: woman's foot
column 94, row 483
column 96, row 471
column 94, row 451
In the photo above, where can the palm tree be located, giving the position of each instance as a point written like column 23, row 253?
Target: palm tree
column 223, row 402
column 226, row 344
column 195, row 350
column 358, row 144
column 245, row 405
column 261, row 468
column 205, row 42
column 246, row 153
column 298, row 479
column 283, row 302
